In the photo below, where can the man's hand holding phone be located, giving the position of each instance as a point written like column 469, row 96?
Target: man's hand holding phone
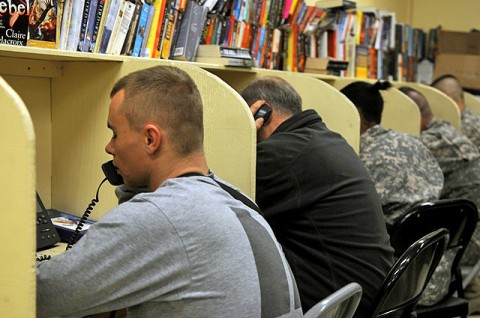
column 261, row 113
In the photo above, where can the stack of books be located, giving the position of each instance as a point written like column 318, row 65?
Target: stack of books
column 325, row 65
column 224, row 55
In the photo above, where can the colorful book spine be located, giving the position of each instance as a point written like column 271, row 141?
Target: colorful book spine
column 123, row 28
column 92, row 17
column 141, row 29
column 96, row 25
column 152, row 39
column 83, row 25
column 148, row 30
column 127, row 47
column 109, row 24
column 117, row 20
column 65, row 26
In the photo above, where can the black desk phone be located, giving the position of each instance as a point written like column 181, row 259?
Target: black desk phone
column 47, row 234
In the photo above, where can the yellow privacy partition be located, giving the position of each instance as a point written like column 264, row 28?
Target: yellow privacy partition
column 79, row 131
column 67, row 94
column 338, row 113
column 442, row 106
column 472, row 102
column 399, row 111
column 17, row 188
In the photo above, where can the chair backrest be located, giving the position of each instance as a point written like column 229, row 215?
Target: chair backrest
column 402, row 287
column 458, row 216
column 340, row 304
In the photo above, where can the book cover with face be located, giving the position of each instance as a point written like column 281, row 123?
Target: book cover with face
column 42, row 23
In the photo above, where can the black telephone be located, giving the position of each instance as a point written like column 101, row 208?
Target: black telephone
column 115, row 179
column 265, row 111
column 47, row 234
column 111, row 174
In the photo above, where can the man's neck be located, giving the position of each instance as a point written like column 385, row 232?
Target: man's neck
column 175, row 167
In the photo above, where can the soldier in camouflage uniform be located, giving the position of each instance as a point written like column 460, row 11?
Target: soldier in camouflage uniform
column 404, row 171
column 456, row 154
column 450, row 85
column 459, row 160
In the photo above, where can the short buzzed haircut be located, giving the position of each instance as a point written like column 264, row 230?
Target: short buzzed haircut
column 168, row 96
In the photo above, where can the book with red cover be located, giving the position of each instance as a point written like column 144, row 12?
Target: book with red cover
column 14, row 24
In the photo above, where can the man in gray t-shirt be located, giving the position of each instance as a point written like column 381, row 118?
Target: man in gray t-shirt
column 186, row 247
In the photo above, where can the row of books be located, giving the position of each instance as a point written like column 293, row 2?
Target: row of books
column 120, row 27
column 161, row 28
column 387, row 49
column 276, row 34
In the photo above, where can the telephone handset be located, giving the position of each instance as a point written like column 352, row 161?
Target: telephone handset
column 111, row 174
column 46, row 232
column 115, row 179
column 265, row 111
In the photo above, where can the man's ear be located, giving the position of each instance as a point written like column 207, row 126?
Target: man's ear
column 153, row 137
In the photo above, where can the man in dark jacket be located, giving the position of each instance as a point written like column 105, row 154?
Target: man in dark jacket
column 318, row 198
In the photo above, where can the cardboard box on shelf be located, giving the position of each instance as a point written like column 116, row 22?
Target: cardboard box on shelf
column 454, row 42
column 458, row 53
column 465, row 67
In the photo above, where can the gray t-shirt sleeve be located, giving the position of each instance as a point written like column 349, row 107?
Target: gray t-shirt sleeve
column 91, row 286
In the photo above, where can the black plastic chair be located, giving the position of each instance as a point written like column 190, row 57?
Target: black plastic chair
column 459, row 217
column 402, row 287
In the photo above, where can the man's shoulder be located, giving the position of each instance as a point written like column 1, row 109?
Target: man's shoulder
column 471, row 113
column 470, row 118
column 392, row 145
column 379, row 137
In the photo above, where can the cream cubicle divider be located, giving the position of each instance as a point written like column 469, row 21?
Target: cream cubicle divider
column 472, row 102
column 441, row 105
column 79, row 85
column 338, row 113
column 17, row 187
column 399, row 111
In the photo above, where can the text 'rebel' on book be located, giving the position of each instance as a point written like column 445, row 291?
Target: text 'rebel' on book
column 14, row 22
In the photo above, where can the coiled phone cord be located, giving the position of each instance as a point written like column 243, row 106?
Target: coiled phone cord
column 43, row 258
column 86, row 214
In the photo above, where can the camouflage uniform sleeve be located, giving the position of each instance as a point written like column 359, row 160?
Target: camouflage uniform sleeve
column 403, row 169
column 471, row 126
